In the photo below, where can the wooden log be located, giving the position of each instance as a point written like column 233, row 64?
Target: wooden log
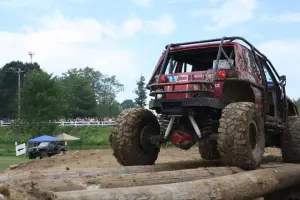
column 178, row 165
column 244, row 185
column 117, row 170
column 129, row 180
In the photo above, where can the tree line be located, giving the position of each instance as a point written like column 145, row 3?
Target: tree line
column 77, row 93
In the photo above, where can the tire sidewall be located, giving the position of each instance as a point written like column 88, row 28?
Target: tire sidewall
column 145, row 120
column 290, row 147
column 253, row 116
column 234, row 135
column 257, row 152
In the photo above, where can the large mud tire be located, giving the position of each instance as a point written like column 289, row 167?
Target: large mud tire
column 129, row 141
column 241, row 140
column 208, row 150
column 290, row 146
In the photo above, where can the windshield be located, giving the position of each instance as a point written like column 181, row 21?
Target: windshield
column 202, row 59
column 43, row 144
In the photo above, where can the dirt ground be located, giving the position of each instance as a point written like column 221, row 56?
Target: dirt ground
column 94, row 159
column 35, row 187
column 100, row 159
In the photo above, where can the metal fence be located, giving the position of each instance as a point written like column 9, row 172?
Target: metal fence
column 75, row 123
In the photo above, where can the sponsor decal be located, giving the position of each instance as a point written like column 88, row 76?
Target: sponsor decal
column 182, row 78
column 199, row 76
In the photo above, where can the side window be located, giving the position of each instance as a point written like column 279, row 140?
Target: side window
column 268, row 77
column 251, row 64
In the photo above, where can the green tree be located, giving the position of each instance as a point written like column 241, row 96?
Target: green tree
column 9, row 86
column 41, row 102
column 105, row 89
column 78, row 96
column 140, row 91
column 127, row 103
column 42, row 98
column 111, row 111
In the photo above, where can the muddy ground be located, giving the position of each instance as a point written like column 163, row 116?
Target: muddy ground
column 28, row 181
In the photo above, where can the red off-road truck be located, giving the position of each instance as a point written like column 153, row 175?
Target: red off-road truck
column 221, row 93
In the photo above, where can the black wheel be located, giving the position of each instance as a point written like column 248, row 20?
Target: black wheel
column 290, row 145
column 241, row 140
column 43, row 154
column 130, row 138
column 208, row 149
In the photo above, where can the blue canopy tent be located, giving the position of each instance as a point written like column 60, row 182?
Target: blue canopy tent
column 44, row 138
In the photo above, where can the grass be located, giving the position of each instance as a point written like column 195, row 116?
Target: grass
column 6, row 161
column 92, row 137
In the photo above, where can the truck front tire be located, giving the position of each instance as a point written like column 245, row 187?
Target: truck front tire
column 290, row 145
column 241, row 140
column 130, row 138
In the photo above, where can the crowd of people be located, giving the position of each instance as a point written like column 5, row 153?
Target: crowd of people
column 88, row 119
column 77, row 120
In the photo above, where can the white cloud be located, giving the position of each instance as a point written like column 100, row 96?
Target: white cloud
column 288, row 17
column 164, row 25
column 284, row 55
column 212, row 2
column 160, row 26
column 132, row 26
column 62, row 43
column 141, row 2
column 229, row 13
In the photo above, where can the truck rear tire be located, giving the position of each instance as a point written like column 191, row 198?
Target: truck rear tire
column 290, row 145
column 241, row 140
column 208, row 149
column 130, row 137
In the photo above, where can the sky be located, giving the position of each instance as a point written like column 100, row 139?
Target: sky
column 126, row 37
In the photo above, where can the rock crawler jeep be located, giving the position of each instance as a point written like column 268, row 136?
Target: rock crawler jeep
column 222, row 94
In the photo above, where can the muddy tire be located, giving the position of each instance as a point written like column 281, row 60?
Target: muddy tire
column 290, row 146
column 43, row 154
column 130, row 137
column 241, row 140
column 208, row 149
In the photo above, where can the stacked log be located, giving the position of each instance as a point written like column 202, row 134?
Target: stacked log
column 243, row 185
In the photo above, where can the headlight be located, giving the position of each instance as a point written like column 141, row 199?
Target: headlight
column 159, row 96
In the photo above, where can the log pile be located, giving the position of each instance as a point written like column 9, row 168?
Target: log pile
column 129, row 180
column 243, row 185
column 184, row 180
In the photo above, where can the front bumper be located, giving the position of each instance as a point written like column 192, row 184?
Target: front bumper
column 179, row 106
column 33, row 154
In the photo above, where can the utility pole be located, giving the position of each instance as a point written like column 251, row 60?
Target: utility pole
column 31, row 54
column 19, row 93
